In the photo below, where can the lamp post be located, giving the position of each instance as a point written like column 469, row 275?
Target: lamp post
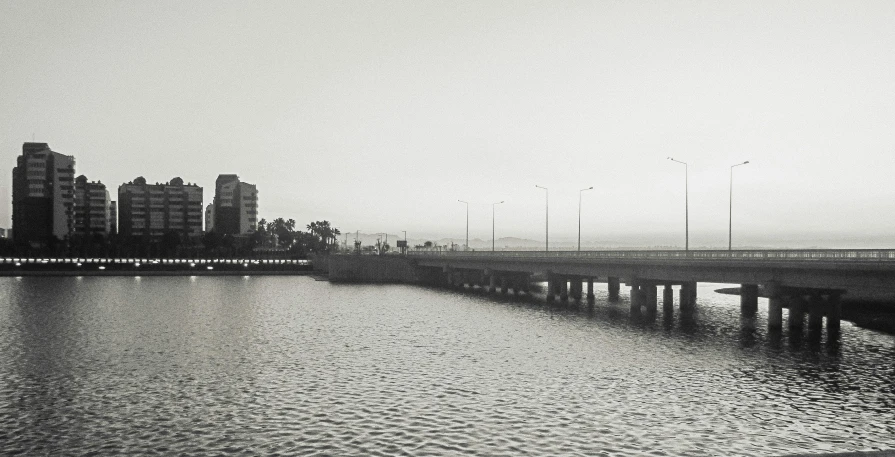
column 730, row 220
column 686, row 206
column 579, row 215
column 547, row 219
column 466, row 248
column 492, row 223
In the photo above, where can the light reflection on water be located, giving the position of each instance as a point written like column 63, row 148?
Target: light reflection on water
column 264, row 365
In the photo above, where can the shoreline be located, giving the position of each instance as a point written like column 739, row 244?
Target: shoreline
column 63, row 273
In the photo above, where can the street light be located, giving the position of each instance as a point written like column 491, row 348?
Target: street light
column 466, row 248
column 579, row 216
column 547, row 219
column 686, row 206
column 730, row 221
column 492, row 224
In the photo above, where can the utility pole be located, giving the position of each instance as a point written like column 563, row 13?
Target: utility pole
column 579, row 215
column 492, row 224
column 686, row 204
column 730, row 220
column 466, row 248
column 546, row 219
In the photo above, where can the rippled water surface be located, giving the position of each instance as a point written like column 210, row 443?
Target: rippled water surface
column 290, row 365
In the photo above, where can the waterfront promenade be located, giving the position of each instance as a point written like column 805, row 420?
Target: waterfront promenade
column 13, row 266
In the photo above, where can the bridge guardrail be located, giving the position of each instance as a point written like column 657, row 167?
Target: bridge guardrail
column 862, row 255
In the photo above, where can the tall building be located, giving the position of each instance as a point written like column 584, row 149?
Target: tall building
column 235, row 210
column 42, row 195
column 93, row 208
column 113, row 218
column 209, row 217
column 150, row 210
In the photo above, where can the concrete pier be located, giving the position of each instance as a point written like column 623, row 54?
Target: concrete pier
column 667, row 298
column 614, row 288
column 796, row 312
column 504, row 288
column 815, row 313
column 775, row 312
column 576, row 289
column 492, row 283
column 834, row 313
column 564, row 289
column 748, row 299
column 651, row 298
column 688, row 295
column 590, row 290
column 636, row 300
column 551, row 287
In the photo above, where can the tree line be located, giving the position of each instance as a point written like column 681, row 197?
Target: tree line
column 276, row 238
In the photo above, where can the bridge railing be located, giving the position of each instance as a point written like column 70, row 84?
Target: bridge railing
column 864, row 255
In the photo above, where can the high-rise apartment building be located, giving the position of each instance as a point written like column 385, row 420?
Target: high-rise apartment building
column 93, row 208
column 113, row 218
column 150, row 210
column 42, row 195
column 209, row 217
column 235, row 210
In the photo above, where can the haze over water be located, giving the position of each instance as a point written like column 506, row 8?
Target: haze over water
column 261, row 365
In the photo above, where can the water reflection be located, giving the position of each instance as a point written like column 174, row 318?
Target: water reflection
column 285, row 365
column 717, row 321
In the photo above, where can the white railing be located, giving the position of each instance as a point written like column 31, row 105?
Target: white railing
column 149, row 261
column 866, row 255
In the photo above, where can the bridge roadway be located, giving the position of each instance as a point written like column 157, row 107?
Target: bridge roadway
column 813, row 282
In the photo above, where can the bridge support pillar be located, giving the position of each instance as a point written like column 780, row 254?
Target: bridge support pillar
column 748, row 299
column 577, row 289
column 564, row 289
column 614, row 287
column 503, row 285
column 688, row 295
column 651, row 295
column 834, row 313
column 635, row 298
column 492, row 283
column 796, row 312
column 668, row 299
column 815, row 313
column 775, row 312
column 590, row 290
column 551, row 287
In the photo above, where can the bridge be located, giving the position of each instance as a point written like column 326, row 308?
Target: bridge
column 813, row 282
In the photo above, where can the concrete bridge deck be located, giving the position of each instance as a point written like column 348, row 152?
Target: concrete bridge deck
column 814, row 282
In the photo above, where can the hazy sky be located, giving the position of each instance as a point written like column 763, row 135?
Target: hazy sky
column 378, row 116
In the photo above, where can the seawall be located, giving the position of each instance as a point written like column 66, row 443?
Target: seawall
column 154, row 273
column 371, row 268
column 152, row 267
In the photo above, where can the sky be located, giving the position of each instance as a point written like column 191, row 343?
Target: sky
column 379, row 116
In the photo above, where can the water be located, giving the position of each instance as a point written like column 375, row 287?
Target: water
column 262, row 365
